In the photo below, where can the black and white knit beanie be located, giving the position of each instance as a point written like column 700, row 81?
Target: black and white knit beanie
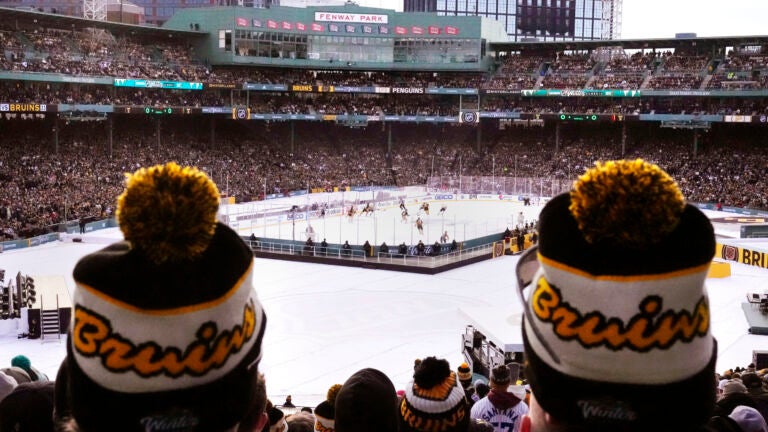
column 167, row 326
column 620, row 332
column 434, row 400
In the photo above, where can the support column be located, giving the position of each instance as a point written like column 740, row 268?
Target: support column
column 56, row 135
column 623, row 139
column 110, row 142
column 213, row 132
column 557, row 136
column 479, row 134
column 695, row 142
column 293, row 135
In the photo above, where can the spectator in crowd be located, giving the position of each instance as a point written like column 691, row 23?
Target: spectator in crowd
column 420, row 248
column 288, row 402
column 534, row 237
column 29, row 407
column 309, row 247
column 586, row 256
column 323, row 247
column 741, row 419
column 367, row 402
column 166, row 260
column 384, row 249
column 464, row 374
column 367, row 249
column 7, row 384
column 501, row 408
column 755, row 385
column 748, row 419
column 346, row 249
column 434, row 399
column 17, row 373
column 436, row 248
column 479, row 425
column 277, row 421
column 257, row 419
column 402, row 249
column 24, row 363
column 481, row 390
column 734, row 394
column 301, row 421
column 325, row 412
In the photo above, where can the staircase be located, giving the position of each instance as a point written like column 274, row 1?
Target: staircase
column 49, row 320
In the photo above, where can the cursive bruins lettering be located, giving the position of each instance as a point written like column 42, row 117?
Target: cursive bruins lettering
column 426, row 423
column 93, row 336
column 649, row 328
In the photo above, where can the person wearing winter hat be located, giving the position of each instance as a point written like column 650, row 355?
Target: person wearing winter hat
column 616, row 325
column 434, row 400
column 735, row 393
column 7, row 384
column 20, row 375
column 464, row 373
column 167, row 326
column 23, row 362
column 748, row 419
column 501, row 408
column 325, row 412
column 367, row 402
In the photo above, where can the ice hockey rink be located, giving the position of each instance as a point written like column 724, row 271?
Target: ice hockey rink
column 461, row 219
column 326, row 322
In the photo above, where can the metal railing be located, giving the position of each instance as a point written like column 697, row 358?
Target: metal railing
column 357, row 254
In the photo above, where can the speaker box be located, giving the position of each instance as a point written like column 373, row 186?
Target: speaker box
column 760, row 359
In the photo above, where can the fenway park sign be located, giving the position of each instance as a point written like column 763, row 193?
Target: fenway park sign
column 351, row 17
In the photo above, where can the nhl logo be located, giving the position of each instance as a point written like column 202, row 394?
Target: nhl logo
column 468, row 117
column 729, row 253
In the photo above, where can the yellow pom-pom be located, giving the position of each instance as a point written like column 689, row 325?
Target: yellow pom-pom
column 332, row 393
column 168, row 212
column 627, row 203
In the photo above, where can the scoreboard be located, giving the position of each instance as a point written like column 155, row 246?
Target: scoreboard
column 155, row 110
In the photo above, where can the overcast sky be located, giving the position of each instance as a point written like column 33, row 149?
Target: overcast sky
column 664, row 18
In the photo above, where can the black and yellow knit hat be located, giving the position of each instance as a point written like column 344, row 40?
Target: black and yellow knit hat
column 325, row 412
column 434, row 400
column 618, row 335
column 167, row 327
column 464, row 373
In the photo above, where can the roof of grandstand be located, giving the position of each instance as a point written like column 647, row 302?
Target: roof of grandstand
column 24, row 17
column 702, row 43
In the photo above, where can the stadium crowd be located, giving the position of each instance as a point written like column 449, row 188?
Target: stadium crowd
column 98, row 53
column 28, row 399
column 42, row 185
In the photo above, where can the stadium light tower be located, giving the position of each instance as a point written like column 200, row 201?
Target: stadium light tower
column 95, row 9
column 612, row 12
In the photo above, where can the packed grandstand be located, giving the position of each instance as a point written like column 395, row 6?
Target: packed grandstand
column 71, row 128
